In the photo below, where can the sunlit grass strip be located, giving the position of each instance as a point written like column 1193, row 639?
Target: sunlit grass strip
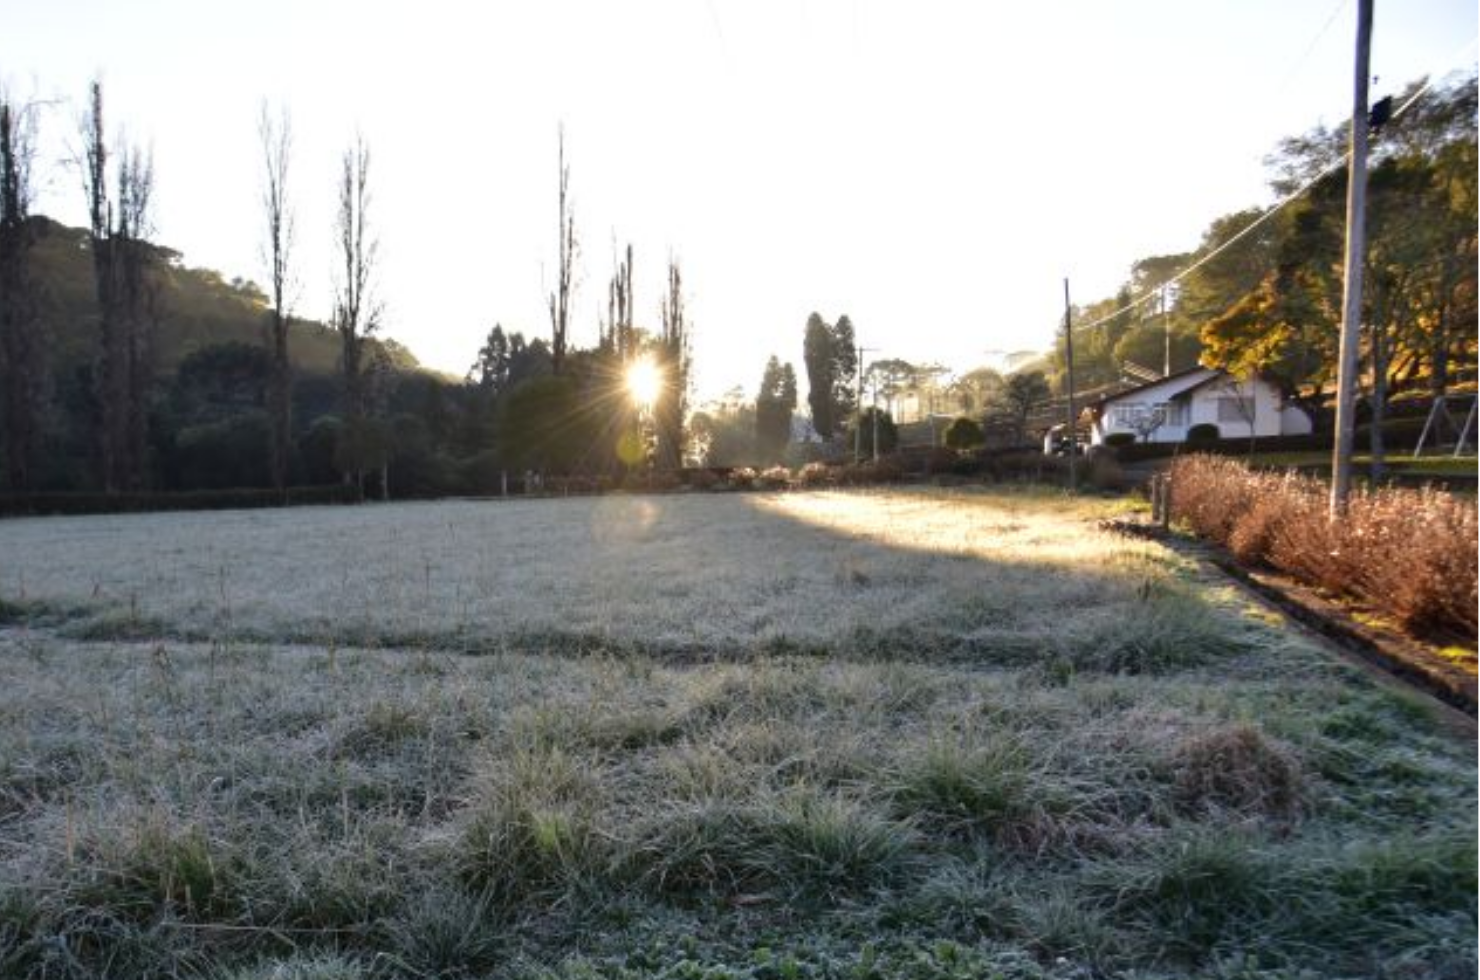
column 1001, row 577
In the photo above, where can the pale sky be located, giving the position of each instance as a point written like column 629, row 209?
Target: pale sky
column 933, row 170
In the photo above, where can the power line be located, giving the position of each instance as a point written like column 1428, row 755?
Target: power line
column 1273, row 210
column 1305, row 56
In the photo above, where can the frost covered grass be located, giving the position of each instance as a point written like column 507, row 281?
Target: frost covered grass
column 1146, row 778
column 964, row 575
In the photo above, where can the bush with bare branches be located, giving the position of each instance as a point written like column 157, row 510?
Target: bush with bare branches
column 1409, row 553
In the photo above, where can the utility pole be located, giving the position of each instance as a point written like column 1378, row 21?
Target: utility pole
column 875, row 417
column 1166, row 326
column 1069, row 364
column 858, row 408
column 1356, row 253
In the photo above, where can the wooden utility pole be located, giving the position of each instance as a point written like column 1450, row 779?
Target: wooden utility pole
column 1356, row 252
column 1166, row 326
column 1069, row 364
column 858, row 410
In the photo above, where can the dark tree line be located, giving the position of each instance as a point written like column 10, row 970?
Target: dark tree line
column 21, row 345
column 227, row 413
column 125, row 276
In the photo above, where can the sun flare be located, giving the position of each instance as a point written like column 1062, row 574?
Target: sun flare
column 644, row 382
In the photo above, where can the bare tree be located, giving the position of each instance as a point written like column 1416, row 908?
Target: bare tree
column 138, row 297
column 128, row 298
column 1245, row 405
column 560, row 299
column 276, row 139
column 20, row 343
column 109, row 380
column 675, row 356
column 357, row 313
column 621, row 338
column 618, row 348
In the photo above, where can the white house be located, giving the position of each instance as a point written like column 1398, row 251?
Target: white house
column 1164, row 410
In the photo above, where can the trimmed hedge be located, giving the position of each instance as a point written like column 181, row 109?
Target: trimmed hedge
column 1398, row 434
column 44, row 504
column 1203, row 433
column 1223, row 447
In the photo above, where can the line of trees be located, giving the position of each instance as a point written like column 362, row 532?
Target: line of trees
column 223, row 412
column 119, row 222
column 21, row 349
column 1270, row 304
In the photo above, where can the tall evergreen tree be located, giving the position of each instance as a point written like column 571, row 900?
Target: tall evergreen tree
column 817, row 359
column 844, row 371
column 774, row 405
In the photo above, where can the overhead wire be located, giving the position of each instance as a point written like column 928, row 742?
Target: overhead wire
column 1271, row 212
column 1311, row 47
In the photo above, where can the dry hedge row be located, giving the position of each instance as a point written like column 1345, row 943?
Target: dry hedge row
column 1408, row 553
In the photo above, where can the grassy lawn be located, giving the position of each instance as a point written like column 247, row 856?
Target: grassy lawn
column 873, row 734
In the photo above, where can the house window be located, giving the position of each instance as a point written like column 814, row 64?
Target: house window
column 1176, row 413
column 1233, row 410
column 1126, row 416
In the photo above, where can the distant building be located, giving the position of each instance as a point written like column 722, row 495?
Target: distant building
column 1164, row 410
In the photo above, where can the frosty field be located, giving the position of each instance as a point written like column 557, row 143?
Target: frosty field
column 909, row 733
column 682, row 575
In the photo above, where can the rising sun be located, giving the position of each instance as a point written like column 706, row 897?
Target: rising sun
column 644, row 382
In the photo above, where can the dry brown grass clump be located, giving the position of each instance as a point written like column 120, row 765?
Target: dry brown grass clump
column 1237, row 768
column 1409, row 553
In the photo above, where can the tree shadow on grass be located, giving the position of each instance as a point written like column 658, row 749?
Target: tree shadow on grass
column 1006, row 578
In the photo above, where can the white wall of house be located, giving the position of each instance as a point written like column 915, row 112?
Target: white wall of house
column 1238, row 408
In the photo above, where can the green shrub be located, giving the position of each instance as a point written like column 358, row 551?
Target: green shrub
column 1203, row 432
column 229, row 453
column 483, row 472
column 965, row 434
column 1116, row 440
column 861, row 432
